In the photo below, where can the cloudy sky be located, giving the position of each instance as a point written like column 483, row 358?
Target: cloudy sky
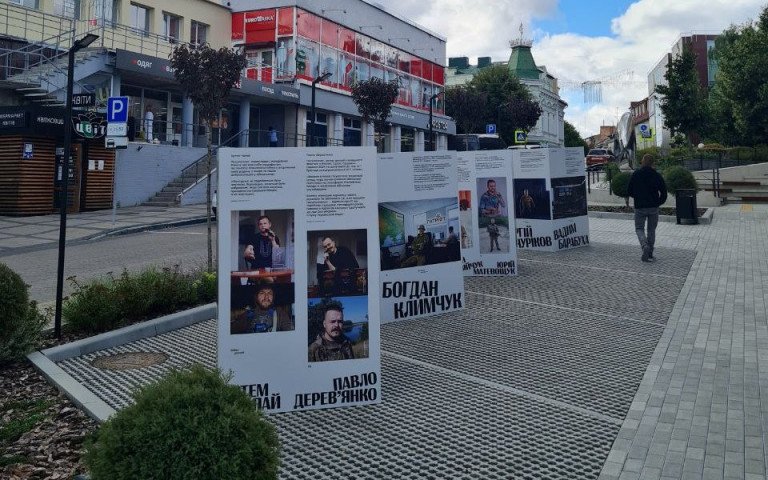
column 616, row 42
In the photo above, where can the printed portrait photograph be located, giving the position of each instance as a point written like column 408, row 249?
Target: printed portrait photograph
column 531, row 199
column 466, row 219
column 338, row 263
column 570, row 197
column 493, row 215
column 262, row 308
column 263, row 247
column 338, row 329
column 419, row 232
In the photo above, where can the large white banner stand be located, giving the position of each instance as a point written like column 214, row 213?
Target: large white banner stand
column 419, row 235
column 487, row 214
column 298, row 319
column 550, row 199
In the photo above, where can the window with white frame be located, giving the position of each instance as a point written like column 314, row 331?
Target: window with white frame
column 171, row 27
column 199, row 33
column 67, row 8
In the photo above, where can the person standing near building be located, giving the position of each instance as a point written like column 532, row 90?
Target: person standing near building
column 272, row 137
column 649, row 191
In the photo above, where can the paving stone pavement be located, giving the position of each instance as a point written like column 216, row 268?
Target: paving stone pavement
column 590, row 364
column 701, row 410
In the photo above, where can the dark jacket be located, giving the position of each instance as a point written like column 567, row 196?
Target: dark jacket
column 647, row 187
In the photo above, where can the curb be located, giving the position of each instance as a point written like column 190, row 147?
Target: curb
column 705, row 219
column 148, row 227
column 45, row 361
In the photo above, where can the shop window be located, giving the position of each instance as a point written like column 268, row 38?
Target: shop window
column 199, row 33
column 352, row 132
column 171, row 27
column 407, row 139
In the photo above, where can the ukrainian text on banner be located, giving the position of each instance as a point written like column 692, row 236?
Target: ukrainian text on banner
column 550, row 199
column 487, row 216
column 419, row 235
column 298, row 315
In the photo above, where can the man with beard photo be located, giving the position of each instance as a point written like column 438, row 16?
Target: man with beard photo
column 331, row 343
column 262, row 246
column 263, row 316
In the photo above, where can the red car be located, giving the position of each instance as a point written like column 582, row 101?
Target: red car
column 598, row 158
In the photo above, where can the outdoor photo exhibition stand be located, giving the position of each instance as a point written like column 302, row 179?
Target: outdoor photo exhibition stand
column 486, row 214
column 419, row 235
column 299, row 276
column 550, row 199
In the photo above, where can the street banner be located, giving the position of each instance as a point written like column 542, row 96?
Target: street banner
column 298, row 322
column 487, row 216
column 419, row 235
column 550, row 199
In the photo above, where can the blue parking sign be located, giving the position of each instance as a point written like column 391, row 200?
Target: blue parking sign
column 117, row 109
column 490, row 128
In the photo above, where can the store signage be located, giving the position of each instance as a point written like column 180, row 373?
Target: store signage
column 83, row 100
column 136, row 62
column 89, row 125
column 13, row 120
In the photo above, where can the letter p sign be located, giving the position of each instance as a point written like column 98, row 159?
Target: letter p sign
column 117, row 109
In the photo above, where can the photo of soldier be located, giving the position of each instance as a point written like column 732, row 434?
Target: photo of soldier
column 570, row 197
column 338, row 329
column 532, row 199
column 493, row 216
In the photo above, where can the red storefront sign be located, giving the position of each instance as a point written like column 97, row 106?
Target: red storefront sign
column 260, row 26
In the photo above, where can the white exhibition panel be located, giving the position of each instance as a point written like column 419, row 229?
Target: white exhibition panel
column 294, row 333
column 487, row 213
column 550, row 199
column 420, row 271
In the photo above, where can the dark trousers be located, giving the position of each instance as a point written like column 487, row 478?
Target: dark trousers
column 651, row 216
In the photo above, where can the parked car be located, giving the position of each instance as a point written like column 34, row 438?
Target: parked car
column 475, row 141
column 598, row 158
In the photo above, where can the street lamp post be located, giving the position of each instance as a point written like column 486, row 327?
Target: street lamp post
column 312, row 121
column 78, row 45
column 431, row 100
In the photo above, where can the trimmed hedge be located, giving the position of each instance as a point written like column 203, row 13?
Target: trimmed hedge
column 620, row 184
column 679, row 178
column 191, row 424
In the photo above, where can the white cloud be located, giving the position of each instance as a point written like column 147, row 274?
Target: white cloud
column 641, row 36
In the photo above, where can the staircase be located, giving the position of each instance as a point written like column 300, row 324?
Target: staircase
column 171, row 194
column 751, row 189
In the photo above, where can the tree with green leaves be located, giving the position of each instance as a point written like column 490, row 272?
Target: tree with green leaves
column 207, row 76
column 573, row 139
column 506, row 102
column 374, row 98
column 684, row 102
column 739, row 98
column 467, row 106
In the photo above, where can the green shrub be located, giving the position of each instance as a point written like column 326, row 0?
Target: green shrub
column 207, row 287
column 105, row 304
column 20, row 322
column 620, row 184
column 611, row 170
column 191, row 424
column 679, row 178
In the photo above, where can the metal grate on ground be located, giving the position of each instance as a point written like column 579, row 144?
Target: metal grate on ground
column 531, row 380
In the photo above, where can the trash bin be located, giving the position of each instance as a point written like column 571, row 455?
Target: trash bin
column 685, row 206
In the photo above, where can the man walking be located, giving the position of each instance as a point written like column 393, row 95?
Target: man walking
column 649, row 191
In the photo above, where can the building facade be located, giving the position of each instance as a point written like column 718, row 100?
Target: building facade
column 702, row 46
column 288, row 45
column 550, row 128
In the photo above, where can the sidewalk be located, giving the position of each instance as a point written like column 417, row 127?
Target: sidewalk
column 590, row 364
column 19, row 234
